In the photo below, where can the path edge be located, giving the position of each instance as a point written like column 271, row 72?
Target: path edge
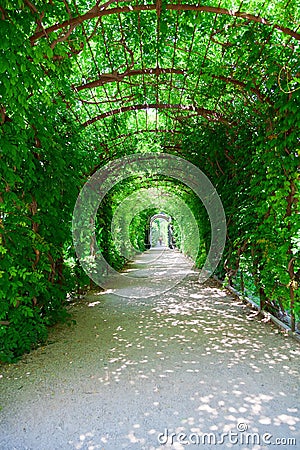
column 265, row 314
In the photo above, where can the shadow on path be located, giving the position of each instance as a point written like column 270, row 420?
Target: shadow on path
column 193, row 360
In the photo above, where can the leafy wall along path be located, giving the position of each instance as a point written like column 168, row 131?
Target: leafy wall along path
column 191, row 360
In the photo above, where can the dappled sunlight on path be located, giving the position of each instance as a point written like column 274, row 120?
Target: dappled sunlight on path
column 133, row 371
column 152, row 273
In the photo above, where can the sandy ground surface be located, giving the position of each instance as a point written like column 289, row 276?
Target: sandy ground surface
column 190, row 368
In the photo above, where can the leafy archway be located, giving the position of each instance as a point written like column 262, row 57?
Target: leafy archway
column 216, row 83
column 159, row 229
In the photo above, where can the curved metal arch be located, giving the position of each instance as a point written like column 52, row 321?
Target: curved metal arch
column 118, row 77
column 159, row 216
column 127, row 135
column 162, row 216
column 111, row 78
column 212, row 116
column 100, row 11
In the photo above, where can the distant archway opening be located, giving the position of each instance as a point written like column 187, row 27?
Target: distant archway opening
column 161, row 231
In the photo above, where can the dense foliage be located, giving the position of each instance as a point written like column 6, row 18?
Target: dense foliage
column 216, row 84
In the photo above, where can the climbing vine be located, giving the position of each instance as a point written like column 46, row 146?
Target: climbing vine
column 83, row 83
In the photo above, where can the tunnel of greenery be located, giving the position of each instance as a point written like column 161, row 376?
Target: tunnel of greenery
column 216, row 83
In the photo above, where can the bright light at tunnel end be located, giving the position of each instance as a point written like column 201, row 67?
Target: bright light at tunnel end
column 146, row 164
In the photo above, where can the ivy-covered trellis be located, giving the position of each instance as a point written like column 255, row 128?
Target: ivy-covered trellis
column 84, row 82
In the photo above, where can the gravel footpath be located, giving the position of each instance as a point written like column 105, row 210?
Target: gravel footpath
column 190, row 368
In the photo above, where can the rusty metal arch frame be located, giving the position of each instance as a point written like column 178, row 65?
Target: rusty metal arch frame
column 124, row 137
column 208, row 114
column 100, row 11
column 253, row 92
column 118, row 77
